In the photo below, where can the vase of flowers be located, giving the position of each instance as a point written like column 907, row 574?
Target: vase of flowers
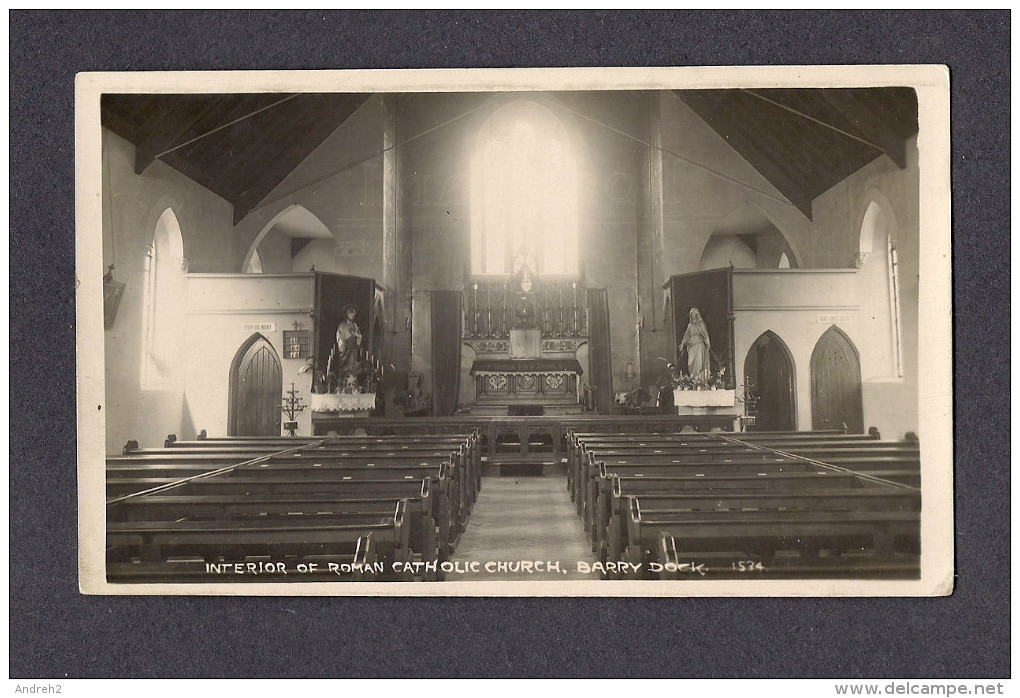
column 712, row 380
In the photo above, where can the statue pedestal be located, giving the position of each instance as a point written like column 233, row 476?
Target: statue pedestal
column 691, row 402
column 704, row 398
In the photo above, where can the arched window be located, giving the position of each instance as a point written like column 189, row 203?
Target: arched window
column 163, row 305
column 882, row 270
column 746, row 238
column 524, row 193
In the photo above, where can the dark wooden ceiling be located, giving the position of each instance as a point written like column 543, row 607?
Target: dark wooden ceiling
column 805, row 141
column 239, row 146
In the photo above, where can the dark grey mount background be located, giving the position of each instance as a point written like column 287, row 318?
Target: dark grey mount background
column 57, row 632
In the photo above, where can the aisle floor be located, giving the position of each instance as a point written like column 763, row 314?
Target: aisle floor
column 523, row 519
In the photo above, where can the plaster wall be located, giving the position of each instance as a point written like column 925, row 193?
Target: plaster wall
column 132, row 206
column 219, row 309
column 890, row 400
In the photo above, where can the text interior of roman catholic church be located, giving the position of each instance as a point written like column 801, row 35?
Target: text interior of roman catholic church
column 631, row 328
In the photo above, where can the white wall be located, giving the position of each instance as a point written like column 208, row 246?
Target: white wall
column 799, row 307
column 219, row 307
column 132, row 206
column 890, row 401
column 341, row 183
column 725, row 250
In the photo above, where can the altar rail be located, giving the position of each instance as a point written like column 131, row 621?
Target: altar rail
column 538, row 440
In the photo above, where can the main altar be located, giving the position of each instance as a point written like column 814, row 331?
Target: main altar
column 527, row 346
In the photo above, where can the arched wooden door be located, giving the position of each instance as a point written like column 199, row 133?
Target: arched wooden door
column 769, row 367
column 256, row 389
column 836, row 384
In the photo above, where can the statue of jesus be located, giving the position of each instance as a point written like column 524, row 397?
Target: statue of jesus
column 348, row 339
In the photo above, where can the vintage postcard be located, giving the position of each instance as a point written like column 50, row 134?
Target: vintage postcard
column 544, row 332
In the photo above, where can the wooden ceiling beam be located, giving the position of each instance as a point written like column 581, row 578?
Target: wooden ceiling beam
column 157, row 142
column 869, row 124
column 773, row 171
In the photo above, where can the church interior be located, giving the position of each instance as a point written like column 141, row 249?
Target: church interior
column 474, row 336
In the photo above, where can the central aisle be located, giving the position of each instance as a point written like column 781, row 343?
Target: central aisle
column 519, row 519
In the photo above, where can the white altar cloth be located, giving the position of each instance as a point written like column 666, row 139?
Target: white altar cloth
column 343, row 402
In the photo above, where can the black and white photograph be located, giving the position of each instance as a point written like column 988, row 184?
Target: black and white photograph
column 560, row 332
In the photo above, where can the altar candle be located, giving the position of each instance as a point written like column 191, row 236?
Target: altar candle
column 474, row 310
column 488, row 309
column 563, row 329
column 585, row 295
column 574, row 307
column 504, row 319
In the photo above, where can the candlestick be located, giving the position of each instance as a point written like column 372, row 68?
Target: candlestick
column 488, row 310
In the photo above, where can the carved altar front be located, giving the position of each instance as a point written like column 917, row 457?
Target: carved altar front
column 528, row 347
column 526, row 381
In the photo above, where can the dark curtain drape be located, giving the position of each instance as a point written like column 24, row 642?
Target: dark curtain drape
column 599, row 348
column 446, row 341
column 709, row 292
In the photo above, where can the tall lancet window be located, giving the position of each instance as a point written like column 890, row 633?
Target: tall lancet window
column 877, row 258
column 163, row 306
column 524, row 193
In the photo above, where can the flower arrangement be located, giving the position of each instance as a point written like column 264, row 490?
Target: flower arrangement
column 713, row 380
column 365, row 378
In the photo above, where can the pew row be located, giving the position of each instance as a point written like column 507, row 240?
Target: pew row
column 347, row 511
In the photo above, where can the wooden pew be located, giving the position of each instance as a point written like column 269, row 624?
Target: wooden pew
column 184, row 473
column 678, row 565
column 467, row 446
column 359, row 566
column 654, row 498
column 465, row 474
column 654, row 501
column 760, row 535
column 455, row 489
column 584, row 456
column 606, row 443
column 599, row 498
column 592, row 467
column 896, row 461
column 254, row 481
column 447, row 478
column 254, row 540
column 676, row 445
column 607, row 510
column 420, row 510
column 722, row 479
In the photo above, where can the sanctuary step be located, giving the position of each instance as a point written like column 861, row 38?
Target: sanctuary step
column 508, row 411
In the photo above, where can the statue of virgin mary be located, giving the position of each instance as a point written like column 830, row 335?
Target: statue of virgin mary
column 697, row 344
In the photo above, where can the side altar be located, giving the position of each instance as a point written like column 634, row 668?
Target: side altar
column 525, row 346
